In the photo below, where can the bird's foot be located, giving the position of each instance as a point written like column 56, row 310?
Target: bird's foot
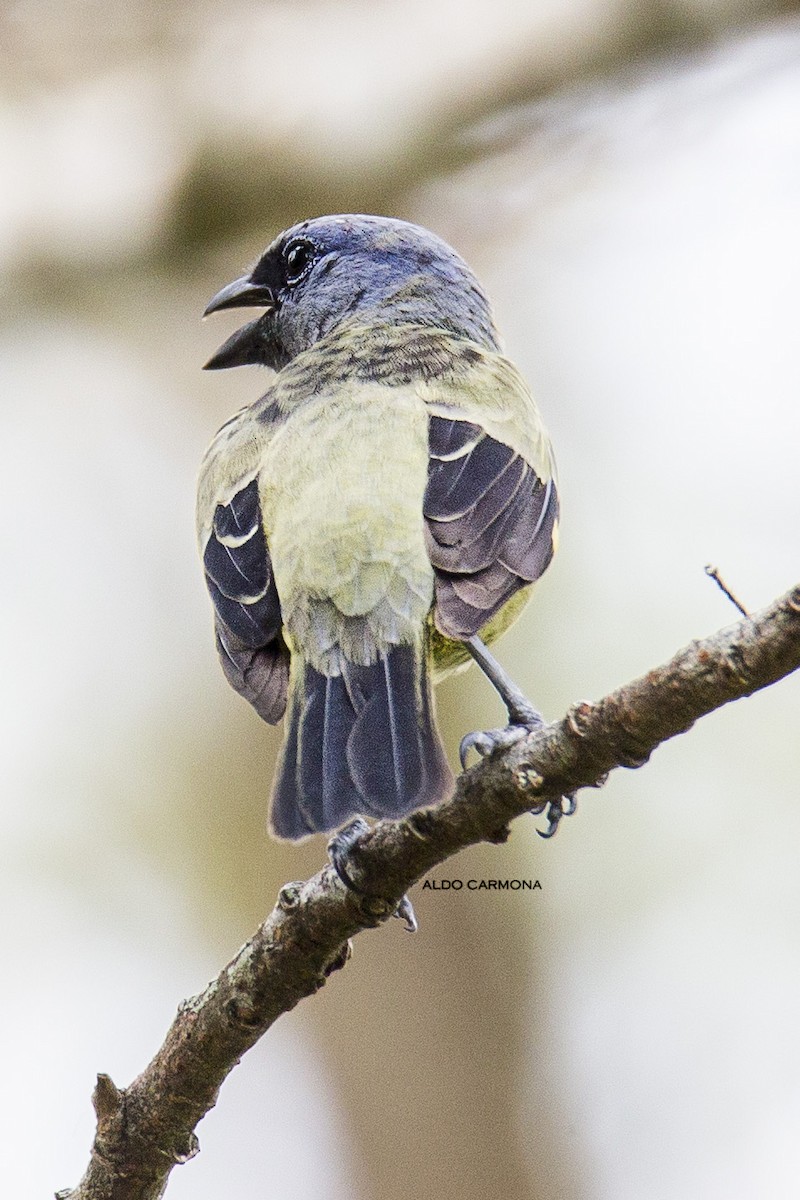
column 340, row 848
column 523, row 719
column 555, row 810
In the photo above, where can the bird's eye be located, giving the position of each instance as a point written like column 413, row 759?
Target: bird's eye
column 298, row 256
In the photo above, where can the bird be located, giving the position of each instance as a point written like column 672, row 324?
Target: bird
column 376, row 518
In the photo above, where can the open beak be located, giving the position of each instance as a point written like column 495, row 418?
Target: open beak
column 242, row 293
column 247, row 344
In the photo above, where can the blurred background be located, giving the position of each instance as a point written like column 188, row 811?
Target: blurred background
column 624, row 176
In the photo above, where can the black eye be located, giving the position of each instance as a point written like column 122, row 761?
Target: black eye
column 298, row 256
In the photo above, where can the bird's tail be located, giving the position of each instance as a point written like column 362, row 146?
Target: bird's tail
column 360, row 743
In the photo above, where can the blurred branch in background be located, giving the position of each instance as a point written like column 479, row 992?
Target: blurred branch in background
column 154, row 131
column 147, row 1128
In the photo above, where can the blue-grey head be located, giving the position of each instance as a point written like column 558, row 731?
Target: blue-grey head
column 364, row 269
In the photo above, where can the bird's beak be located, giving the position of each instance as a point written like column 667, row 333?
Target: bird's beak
column 247, row 344
column 242, row 293
column 242, row 348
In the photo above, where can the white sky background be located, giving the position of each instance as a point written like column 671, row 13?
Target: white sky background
column 642, row 243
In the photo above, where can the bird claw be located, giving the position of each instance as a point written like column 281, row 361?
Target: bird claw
column 564, row 806
column 405, row 912
column 340, row 847
column 487, row 741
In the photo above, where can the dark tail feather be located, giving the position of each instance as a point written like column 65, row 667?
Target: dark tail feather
column 360, row 743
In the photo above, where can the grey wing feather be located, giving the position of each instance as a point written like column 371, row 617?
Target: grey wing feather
column 247, row 608
column 489, row 523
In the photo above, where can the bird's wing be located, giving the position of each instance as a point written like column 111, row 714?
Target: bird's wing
column 491, row 504
column 239, row 572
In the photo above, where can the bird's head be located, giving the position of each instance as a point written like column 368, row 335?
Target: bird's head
column 367, row 269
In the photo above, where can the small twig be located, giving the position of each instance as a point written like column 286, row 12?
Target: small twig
column 713, row 573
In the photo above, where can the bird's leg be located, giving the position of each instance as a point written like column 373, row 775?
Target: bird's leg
column 520, row 709
column 522, row 718
column 340, row 847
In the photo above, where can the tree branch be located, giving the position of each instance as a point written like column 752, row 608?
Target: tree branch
column 145, row 1129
